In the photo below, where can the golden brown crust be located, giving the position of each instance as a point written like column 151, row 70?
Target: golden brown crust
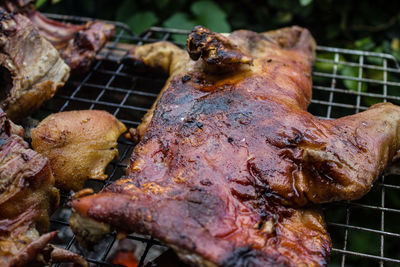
column 193, row 182
column 228, row 158
column 79, row 145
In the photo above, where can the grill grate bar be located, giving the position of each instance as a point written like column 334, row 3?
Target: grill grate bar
column 344, row 91
column 102, row 103
column 359, row 83
column 365, row 66
column 116, row 89
column 348, row 226
column 333, row 85
column 366, row 80
column 346, row 235
column 106, row 87
column 369, row 256
column 383, row 191
column 130, row 89
column 382, row 252
column 365, row 206
column 333, row 104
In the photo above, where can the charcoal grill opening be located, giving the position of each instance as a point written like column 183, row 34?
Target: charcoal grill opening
column 365, row 232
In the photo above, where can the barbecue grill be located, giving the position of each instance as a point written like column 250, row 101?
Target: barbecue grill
column 127, row 93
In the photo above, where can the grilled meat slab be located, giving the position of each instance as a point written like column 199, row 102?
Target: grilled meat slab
column 78, row 44
column 229, row 155
column 31, row 69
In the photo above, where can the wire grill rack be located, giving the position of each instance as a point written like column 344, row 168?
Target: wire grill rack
column 364, row 232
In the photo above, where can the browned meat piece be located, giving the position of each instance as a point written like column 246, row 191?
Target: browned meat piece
column 27, row 196
column 194, row 181
column 79, row 145
column 31, row 69
column 229, row 154
column 78, row 44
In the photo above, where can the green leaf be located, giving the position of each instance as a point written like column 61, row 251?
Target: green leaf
column 305, row 2
column 365, row 43
column 40, row 3
column 179, row 21
column 283, row 17
column 210, row 15
column 370, row 101
column 396, row 54
column 142, row 21
column 125, row 10
column 328, row 66
column 202, row 8
column 352, row 84
column 162, row 3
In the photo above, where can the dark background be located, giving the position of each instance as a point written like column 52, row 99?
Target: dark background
column 365, row 25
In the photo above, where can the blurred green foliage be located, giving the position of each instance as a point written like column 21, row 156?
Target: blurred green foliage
column 367, row 25
column 364, row 25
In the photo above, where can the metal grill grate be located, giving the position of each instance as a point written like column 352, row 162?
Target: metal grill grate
column 364, row 232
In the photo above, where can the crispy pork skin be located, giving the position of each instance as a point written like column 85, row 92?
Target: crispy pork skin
column 78, row 44
column 194, row 180
column 31, row 69
column 229, row 157
column 230, row 161
column 79, row 145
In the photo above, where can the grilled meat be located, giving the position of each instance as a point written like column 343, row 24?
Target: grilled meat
column 79, row 145
column 193, row 181
column 27, row 196
column 229, row 156
column 31, row 69
column 78, row 44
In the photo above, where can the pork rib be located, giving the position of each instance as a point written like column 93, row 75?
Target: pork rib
column 229, row 154
column 78, row 44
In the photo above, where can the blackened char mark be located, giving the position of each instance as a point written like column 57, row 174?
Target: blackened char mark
column 249, row 257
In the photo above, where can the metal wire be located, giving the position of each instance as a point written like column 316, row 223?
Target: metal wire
column 345, row 82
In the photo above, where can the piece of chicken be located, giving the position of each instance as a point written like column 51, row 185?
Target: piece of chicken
column 31, row 69
column 79, row 145
column 229, row 146
column 78, row 44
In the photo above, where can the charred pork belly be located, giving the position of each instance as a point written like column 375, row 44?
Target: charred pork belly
column 79, row 145
column 230, row 161
column 78, row 44
column 31, row 69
